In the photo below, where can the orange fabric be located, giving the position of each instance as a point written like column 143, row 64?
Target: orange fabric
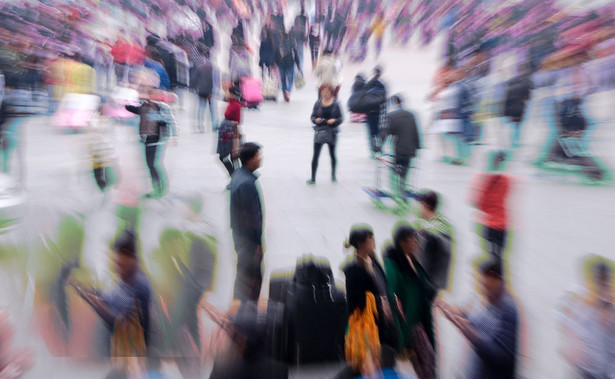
column 362, row 336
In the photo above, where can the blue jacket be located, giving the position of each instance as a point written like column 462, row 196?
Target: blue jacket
column 165, row 80
column 246, row 210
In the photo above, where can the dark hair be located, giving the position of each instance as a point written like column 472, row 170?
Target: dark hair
column 126, row 244
column 497, row 159
column 491, row 267
column 248, row 151
column 430, row 199
column 397, row 99
column 377, row 71
column 601, row 271
column 402, row 233
column 155, row 55
column 358, row 235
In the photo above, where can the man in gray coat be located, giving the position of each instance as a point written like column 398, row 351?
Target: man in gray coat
column 203, row 82
column 401, row 124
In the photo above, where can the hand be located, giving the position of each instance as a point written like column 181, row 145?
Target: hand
column 319, row 120
column 331, row 121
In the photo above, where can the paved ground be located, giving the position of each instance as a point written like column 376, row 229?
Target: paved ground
column 555, row 221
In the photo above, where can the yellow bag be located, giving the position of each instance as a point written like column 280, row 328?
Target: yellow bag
column 128, row 344
column 362, row 337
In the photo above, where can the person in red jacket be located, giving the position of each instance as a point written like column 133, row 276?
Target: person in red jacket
column 490, row 198
column 229, row 132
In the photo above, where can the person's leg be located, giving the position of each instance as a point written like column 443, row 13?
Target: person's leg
column 373, row 118
column 228, row 164
column 249, row 277
column 516, row 140
column 200, row 116
column 101, row 180
column 212, row 112
column 315, row 157
column 300, row 48
column 151, row 148
column 333, row 161
column 283, row 79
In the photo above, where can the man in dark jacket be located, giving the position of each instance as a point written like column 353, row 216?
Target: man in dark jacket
column 402, row 126
column 287, row 59
column 202, row 83
column 492, row 330
column 247, row 224
column 373, row 116
column 518, row 93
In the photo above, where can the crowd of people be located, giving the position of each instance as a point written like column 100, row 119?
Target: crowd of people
column 160, row 51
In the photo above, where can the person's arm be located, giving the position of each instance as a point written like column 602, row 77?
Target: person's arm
column 498, row 349
column 297, row 58
column 315, row 113
column 355, row 290
column 97, row 303
column 393, row 280
column 337, row 121
column 133, row 108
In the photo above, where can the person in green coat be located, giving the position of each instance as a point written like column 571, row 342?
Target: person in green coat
column 408, row 289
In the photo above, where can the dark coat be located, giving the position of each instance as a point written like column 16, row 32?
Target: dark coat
column 203, row 79
column 413, row 291
column 359, row 281
column 246, row 210
column 402, row 125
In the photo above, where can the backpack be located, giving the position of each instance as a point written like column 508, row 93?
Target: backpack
column 570, row 115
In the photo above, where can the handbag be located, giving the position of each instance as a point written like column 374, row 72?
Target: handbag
column 424, row 357
column 299, row 81
column 327, row 135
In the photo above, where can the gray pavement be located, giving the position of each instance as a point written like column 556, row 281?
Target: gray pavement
column 555, row 221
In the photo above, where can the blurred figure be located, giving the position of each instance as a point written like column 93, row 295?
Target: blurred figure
column 125, row 309
column 328, row 71
column 153, row 61
column 300, row 34
column 517, row 95
column 247, row 224
column 267, row 48
column 287, row 59
column 408, row 286
column 326, row 118
column 374, row 85
column 437, row 235
column 314, row 42
column 229, row 132
column 492, row 330
column 371, row 333
column 490, row 198
column 203, row 83
column 155, row 125
column 401, row 124
column 244, row 358
column 378, row 28
column 589, row 325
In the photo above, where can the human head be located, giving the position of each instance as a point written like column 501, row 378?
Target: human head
column 326, row 92
column 397, row 100
column 250, row 156
column 362, row 239
column 498, row 158
column 125, row 255
column 235, row 92
column 429, row 202
column 602, row 277
column 377, row 72
column 406, row 240
column 491, row 278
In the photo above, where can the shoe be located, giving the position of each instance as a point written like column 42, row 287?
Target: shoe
column 333, row 179
column 310, row 182
column 286, row 96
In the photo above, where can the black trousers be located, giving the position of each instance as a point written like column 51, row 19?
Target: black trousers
column 316, row 156
column 229, row 163
column 373, row 122
column 496, row 241
column 402, row 166
column 151, row 152
column 103, row 176
column 249, row 277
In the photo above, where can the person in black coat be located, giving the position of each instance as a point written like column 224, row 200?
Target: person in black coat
column 326, row 117
column 365, row 274
column 373, row 115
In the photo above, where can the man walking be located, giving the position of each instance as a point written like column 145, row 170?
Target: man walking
column 492, row 329
column 377, row 89
column 402, row 126
column 247, row 224
column 203, row 84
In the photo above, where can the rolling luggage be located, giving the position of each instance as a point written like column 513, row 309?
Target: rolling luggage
column 251, row 92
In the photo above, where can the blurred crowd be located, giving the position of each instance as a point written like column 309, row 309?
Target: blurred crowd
column 136, row 62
